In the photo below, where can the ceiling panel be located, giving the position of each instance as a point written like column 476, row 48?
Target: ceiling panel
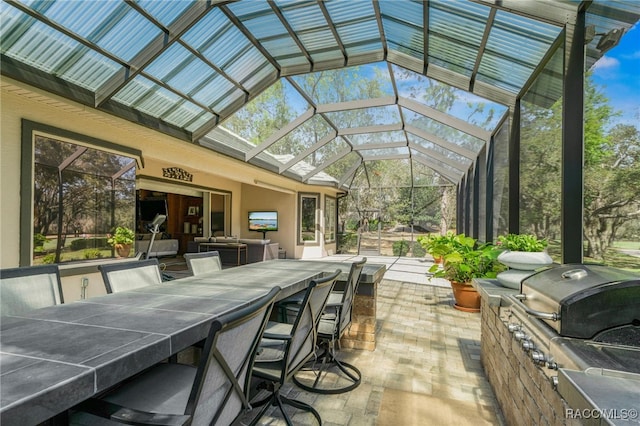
column 377, row 73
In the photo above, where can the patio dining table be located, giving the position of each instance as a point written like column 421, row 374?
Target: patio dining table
column 53, row 358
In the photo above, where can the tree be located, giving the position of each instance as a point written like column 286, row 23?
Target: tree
column 611, row 171
column 612, row 193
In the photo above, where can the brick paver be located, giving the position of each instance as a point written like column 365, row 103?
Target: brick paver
column 423, row 346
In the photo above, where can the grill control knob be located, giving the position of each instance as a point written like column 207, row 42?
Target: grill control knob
column 519, row 335
column 527, row 345
column 513, row 327
column 538, row 357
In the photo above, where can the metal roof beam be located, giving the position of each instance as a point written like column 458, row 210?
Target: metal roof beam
column 152, row 50
column 359, row 104
column 442, row 143
column 350, row 173
column 332, row 27
column 279, row 134
column 446, row 119
column 441, row 171
column 611, row 12
column 438, row 156
column 553, row 12
column 245, row 31
column 291, row 32
column 369, row 129
column 387, row 157
column 304, row 154
column 327, row 163
column 381, row 145
column 483, row 46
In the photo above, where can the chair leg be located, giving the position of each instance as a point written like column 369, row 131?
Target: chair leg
column 277, row 400
column 326, row 376
column 302, row 406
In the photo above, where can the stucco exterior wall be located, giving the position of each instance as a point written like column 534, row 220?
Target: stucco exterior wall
column 210, row 170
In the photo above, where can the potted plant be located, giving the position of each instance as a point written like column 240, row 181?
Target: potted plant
column 122, row 240
column 437, row 245
column 522, row 242
column 523, row 253
column 466, row 261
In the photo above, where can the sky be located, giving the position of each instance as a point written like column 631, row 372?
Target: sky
column 618, row 74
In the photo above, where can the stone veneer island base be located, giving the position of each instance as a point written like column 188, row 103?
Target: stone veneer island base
column 524, row 393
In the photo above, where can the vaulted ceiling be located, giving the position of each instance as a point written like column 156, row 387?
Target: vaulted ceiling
column 184, row 67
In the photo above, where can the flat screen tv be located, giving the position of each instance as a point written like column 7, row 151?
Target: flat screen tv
column 263, row 221
column 148, row 209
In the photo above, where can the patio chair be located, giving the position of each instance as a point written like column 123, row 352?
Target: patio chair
column 27, row 288
column 327, row 374
column 216, row 392
column 202, row 263
column 285, row 348
column 125, row 276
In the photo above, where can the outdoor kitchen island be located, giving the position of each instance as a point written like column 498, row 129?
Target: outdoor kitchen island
column 542, row 377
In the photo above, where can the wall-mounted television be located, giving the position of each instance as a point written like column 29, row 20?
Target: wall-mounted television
column 263, row 221
column 149, row 208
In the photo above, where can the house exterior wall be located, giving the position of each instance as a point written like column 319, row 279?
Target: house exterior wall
column 210, row 170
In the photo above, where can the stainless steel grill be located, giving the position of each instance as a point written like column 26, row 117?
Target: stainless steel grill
column 578, row 317
column 583, row 300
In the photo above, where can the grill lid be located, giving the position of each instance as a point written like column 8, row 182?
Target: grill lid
column 582, row 300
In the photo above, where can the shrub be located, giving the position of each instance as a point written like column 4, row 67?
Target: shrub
column 87, row 243
column 39, row 240
column 418, row 250
column 351, row 225
column 400, row 248
column 347, row 241
column 50, row 258
column 92, row 253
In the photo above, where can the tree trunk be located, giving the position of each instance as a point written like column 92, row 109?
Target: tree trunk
column 445, row 208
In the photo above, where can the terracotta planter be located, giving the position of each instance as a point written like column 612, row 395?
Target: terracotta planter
column 467, row 298
column 122, row 250
column 437, row 259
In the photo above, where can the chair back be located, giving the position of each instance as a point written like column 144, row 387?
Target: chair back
column 201, row 263
column 126, row 276
column 28, row 288
column 221, row 388
column 305, row 326
column 348, row 296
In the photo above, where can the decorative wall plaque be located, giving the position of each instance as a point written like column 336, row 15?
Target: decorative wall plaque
column 177, row 173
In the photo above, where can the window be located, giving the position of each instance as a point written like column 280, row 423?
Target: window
column 329, row 219
column 308, row 218
column 77, row 195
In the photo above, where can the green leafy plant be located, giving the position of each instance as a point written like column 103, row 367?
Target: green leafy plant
column 49, row 259
column 92, row 253
column 522, row 242
column 39, row 240
column 438, row 245
column 468, row 260
column 122, row 236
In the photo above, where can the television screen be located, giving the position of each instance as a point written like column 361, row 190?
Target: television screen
column 148, row 209
column 263, row 221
